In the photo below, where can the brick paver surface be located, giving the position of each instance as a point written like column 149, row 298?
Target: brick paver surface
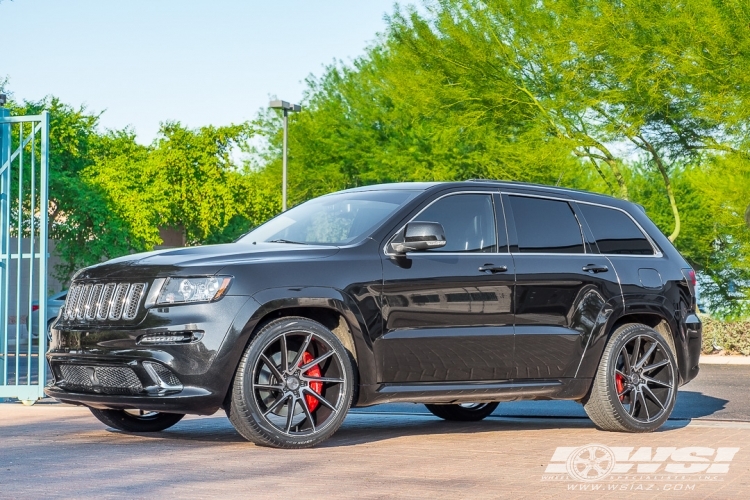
column 54, row 450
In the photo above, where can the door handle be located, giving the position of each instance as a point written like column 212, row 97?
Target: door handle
column 492, row 268
column 593, row 268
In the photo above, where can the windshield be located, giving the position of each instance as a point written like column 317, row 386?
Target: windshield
column 335, row 219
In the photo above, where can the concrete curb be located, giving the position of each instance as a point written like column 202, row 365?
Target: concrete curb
column 718, row 359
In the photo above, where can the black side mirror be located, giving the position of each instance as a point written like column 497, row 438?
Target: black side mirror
column 420, row 236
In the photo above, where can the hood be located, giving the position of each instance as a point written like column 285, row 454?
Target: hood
column 207, row 259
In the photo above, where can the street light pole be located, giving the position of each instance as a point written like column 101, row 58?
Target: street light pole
column 286, row 108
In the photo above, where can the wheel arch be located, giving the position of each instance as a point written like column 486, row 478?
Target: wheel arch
column 659, row 321
column 333, row 308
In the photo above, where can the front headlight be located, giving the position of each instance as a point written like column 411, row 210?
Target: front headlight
column 180, row 290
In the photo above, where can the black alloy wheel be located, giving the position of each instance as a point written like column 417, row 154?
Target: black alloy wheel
column 463, row 412
column 293, row 387
column 636, row 385
column 137, row 420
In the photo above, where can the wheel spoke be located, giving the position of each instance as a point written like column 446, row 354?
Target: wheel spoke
column 626, row 390
column 290, row 413
column 648, row 354
column 633, row 402
column 302, row 350
column 653, row 367
column 277, row 403
column 272, row 366
column 644, row 404
column 284, row 354
column 636, row 350
column 652, row 396
column 326, row 380
column 316, row 361
column 320, row 398
column 308, row 414
column 269, row 387
column 626, row 359
column 654, row 381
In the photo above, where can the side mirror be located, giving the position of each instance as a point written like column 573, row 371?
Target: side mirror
column 420, row 236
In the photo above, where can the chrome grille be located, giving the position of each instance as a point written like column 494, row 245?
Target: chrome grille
column 89, row 302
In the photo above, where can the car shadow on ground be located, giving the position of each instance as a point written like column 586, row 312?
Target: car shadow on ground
column 380, row 423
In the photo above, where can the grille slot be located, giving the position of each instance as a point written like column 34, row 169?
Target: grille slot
column 133, row 301
column 80, row 306
column 100, row 379
column 93, row 302
column 118, row 301
column 105, row 302
column 70, row 303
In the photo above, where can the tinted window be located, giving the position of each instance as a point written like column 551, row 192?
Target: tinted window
column 546, row 226
column 615, row 232
column 468, row 221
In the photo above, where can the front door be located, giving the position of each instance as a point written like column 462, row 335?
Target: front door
column 448, row 312
column 564, row 287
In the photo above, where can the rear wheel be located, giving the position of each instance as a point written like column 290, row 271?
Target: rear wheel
column 293, row 386
column 464, row 412
column 137, row 420
column 635, row 387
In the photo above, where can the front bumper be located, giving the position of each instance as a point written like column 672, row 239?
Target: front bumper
column 107, row 367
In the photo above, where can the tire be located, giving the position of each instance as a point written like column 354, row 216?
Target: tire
column 621, row 399
column 466, row 412
column 130, row 421
column 282, row 401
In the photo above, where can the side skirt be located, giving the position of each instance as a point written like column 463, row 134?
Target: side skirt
column 474, row 392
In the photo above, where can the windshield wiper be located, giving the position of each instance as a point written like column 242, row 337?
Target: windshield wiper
column 287, row 241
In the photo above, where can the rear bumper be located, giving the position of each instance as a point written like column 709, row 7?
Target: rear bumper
column 693, row 329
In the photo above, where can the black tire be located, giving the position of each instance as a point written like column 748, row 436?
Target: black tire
column 133, row 422
column 275, row 400
column 463, row 413
column 647, row 394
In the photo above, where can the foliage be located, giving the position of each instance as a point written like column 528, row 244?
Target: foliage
column 731, row 337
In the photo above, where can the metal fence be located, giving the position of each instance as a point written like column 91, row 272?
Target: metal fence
column 24, row 158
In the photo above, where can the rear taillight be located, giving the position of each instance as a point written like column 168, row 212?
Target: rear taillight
column 34, row 307
column 691, row 280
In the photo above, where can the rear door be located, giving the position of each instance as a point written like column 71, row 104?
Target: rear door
column 448, row 312
column 562, row 286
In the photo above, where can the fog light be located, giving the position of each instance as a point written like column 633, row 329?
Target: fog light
column 169, row 338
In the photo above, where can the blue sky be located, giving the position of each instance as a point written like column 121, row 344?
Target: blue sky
column 199, row 62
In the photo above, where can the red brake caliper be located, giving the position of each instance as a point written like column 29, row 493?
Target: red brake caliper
column 312, row 401
column 619, row 384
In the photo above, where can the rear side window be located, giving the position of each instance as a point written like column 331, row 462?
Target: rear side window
column 546, row 226
column 615, row 232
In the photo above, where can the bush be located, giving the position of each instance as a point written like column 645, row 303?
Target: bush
column 731, row 337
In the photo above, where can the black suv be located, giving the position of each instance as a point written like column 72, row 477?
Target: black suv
column 456, row 295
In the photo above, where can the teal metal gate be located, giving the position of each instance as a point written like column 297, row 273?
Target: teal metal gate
column 24, row 157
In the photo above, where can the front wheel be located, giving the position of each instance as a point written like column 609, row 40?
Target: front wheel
column 137, row 420
column 635, row 387
column 293, row 386
column 464, row 412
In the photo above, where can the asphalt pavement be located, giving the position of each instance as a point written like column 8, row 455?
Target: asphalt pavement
column 52, row 450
